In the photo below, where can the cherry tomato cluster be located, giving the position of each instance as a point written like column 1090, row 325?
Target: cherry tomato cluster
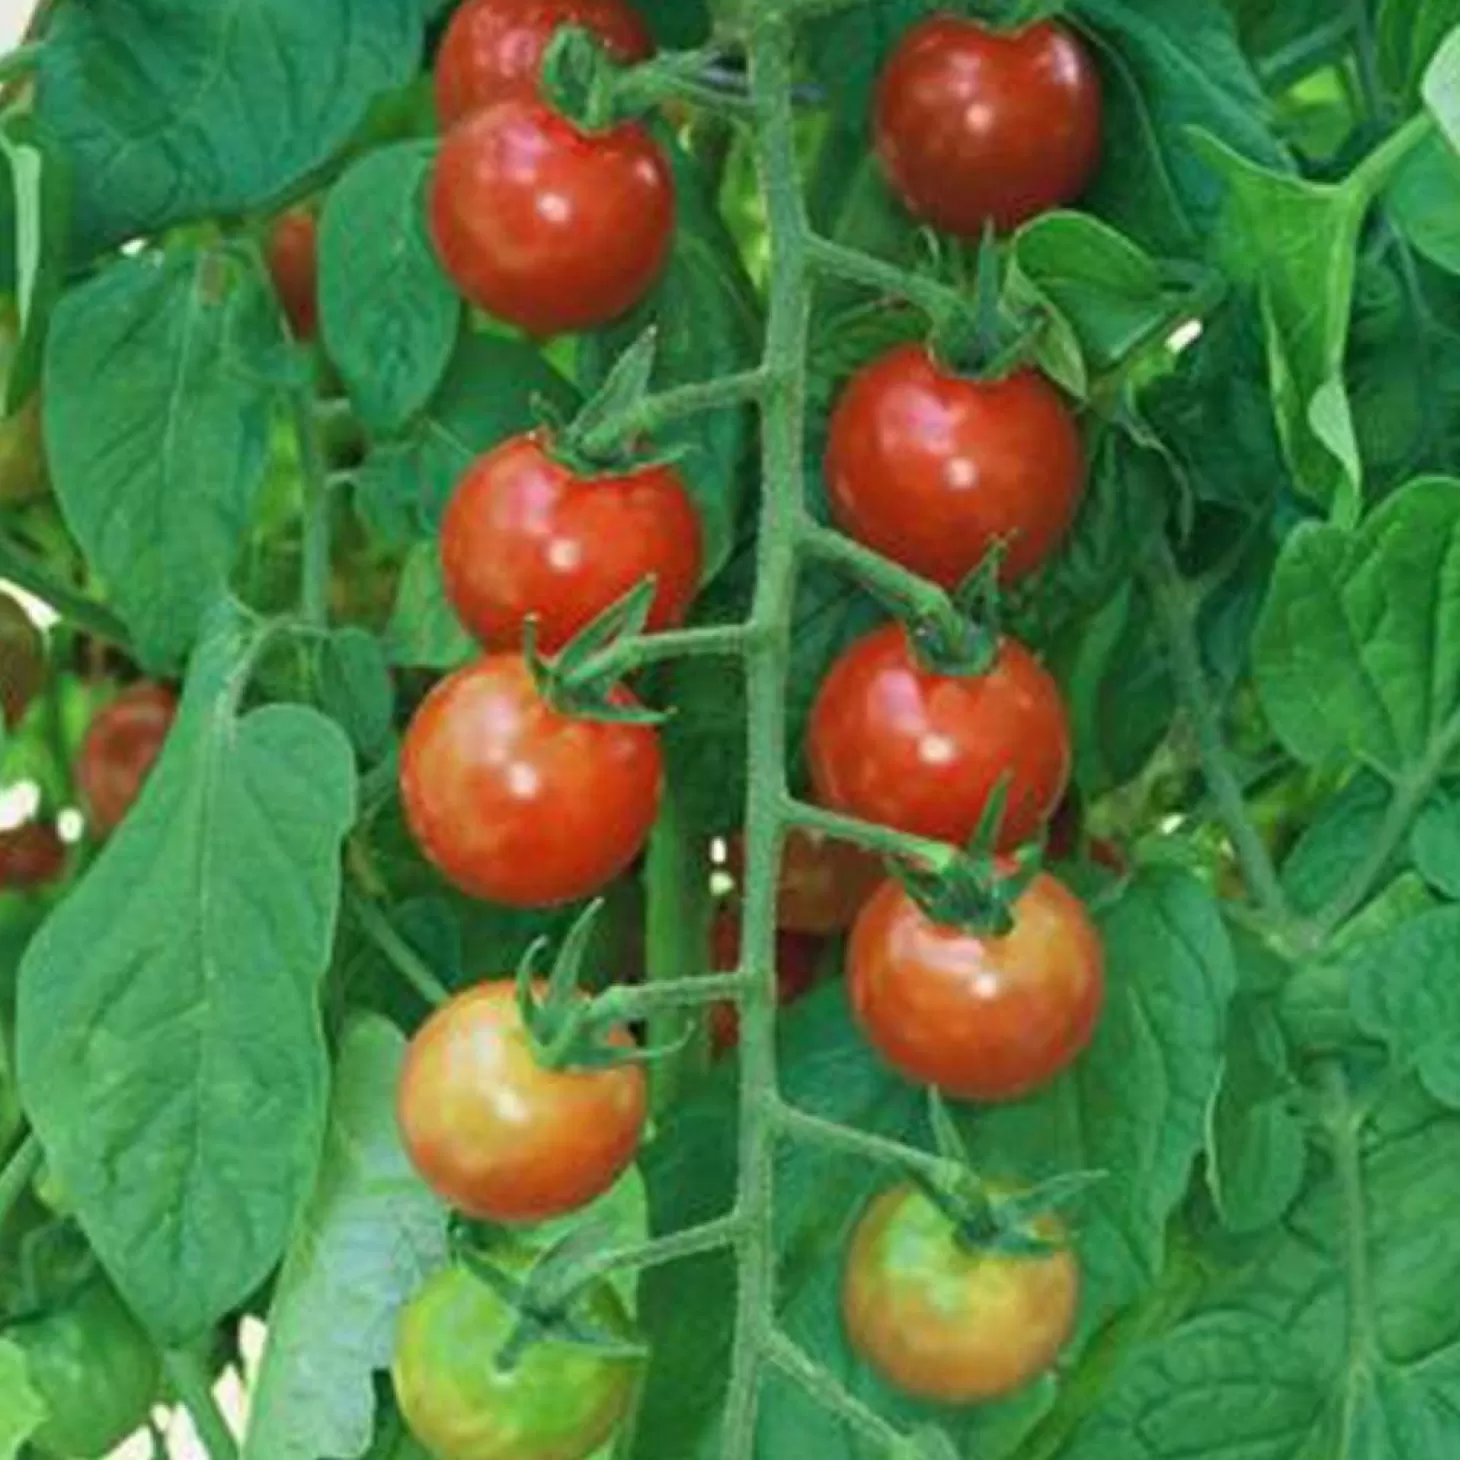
column 521, row 796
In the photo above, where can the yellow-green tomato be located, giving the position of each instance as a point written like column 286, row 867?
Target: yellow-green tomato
column 559, row 1401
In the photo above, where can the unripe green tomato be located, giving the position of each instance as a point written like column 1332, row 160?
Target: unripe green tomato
column 560, row 1401
column 96, row 1370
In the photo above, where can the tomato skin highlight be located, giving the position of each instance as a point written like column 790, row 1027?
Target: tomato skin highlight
column 900, row 745
column 524, row 535
column 980, row 1017
column 934, row 469
column 31, row 856
column 798, row 958
column 591, row 256
column 493, row 49
column 824, row 882
column 975, row 127
column 22, row 661
column 518, row 804
column 560, row 1401
column 293, row 255
column 120, row 749
column 946, row 1323
column 495, row 1133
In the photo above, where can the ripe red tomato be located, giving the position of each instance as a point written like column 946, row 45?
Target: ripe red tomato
column 518, row 804
column 797, row 959
column 548, row 227
column 974, row 126
column 898, row 744
column 493, row 49
column 560, row 1401
column 824, row 882
column 980, row 1017
column 30, row 856
column 947, row 1322
column 119, row 751
column 499, row 1136
column 294, row 263
column 524, row 535
column 933, row 469
column 22, row 661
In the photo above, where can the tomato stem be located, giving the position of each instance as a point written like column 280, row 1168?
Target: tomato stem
column 800, row 1125
column 16, row 1175
column 656, row 1252
column 194, row 1388
column 314, row 472
column 870, row 836
column 401, row 956
column 938, row 301
column 651, row 413
column 819, row 1382
column 23, row 568
column 627, row 655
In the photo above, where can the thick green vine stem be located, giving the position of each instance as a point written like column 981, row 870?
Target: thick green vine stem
column 190, row 1377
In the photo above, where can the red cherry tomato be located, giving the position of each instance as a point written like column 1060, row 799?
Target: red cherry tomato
column 493, row 49
column 548, row 227
column 524, row 535
column 797, row 961
column 898, row 744
column 119, row 751
column 980, row 1017
column 30, row 856
column 498, row 1135
column 947, row 1322
column 22, row 661
column 823, row 885
column 976, row 127
column 934, row 469
column 294, row 264
column 517, row 803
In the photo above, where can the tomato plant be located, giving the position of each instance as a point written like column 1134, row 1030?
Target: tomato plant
column 526, row 536
column 986, row 480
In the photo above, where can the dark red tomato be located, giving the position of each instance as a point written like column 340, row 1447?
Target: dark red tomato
column 119, row 751
column 492, row 50
column 975, row 126
column 548, row 227
column 519, row 804
column 30, row 856
column 947, row 1322
column 933, row 469
column 824, row 882
column 560, row 1401
column 495, row 1133
column 797, row 959
column 900, row 745
column 22, row 661
column 294, row 264
column 525, row 536
column 980, row 1017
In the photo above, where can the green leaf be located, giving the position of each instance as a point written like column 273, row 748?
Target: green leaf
column 390, row 316
column 157, row 431
column 492, row 390
column 22, row 1410
column 1435, row 845
column 1294, row 242
column 423, row 632
column 1441, row 87
column 370, row 1235
column 355, row 689
column 174, row 109
column 1421, row 202
column 708, row 324
column 160, row 1036
column 1407, row 33
column 1358, row 653
column 1335, row 843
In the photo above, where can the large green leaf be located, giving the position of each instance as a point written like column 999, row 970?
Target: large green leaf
column 174, row 109
column 1421, row 201
column 157, row 433
column 22, row 1410
column 1358, row 649
column 1408, row 33
column 171, row 1054
column 370, row 1236
column 390, row 316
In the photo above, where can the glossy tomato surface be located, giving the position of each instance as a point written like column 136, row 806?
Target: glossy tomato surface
column 980, row 1017
column 22, row 660
column 798, row 957
column 898, row 744
column 120, row 749
column 560, row 1401
column 493, row 49
column 495, row 1133
column 976, row 127
column 524, row 535
column 947, row 1322
column 823, row 885
column 30, row 856
column 935, row 469
column 547, row 227
column 517, row 803
column 294, row 264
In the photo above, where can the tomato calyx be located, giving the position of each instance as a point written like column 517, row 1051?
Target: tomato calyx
column 982, row 340
column 1007, row 19
column 605, row 437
